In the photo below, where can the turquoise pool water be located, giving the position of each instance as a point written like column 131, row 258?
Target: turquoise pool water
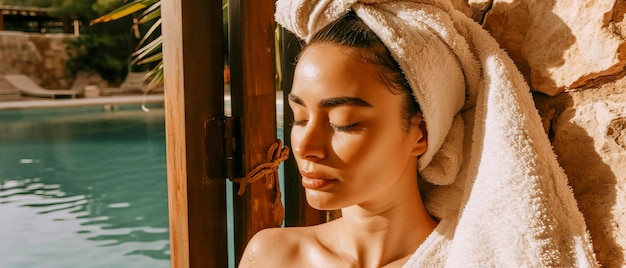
column 83, row 187
column 87, row 187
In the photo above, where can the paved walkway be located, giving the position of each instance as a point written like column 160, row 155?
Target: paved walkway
column 104, row 101
column 30, row 103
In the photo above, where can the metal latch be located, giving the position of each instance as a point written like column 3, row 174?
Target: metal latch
column 222, row 148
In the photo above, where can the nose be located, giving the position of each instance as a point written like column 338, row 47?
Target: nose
column 309, row 142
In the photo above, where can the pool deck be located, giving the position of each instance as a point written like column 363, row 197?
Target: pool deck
column 104, row 101
column 31, row 103
column 24, row 102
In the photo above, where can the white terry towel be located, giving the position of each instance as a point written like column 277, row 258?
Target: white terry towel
column 500, row 195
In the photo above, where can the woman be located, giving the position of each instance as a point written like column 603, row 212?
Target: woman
column 499, row 196
column 352, row 110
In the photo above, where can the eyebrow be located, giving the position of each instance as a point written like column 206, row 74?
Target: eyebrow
column 334, row 102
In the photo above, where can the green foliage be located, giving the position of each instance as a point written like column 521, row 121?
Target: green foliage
column 102, row 49
column 104, row 6
column 27, row 3
column 74, row 9
column 105, row 54
column 149, row 50
column 148, row 53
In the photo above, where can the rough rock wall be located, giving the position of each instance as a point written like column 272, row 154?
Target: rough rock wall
column 573, row 54
column 588, row 132
column 40, row 56
column 561, row 44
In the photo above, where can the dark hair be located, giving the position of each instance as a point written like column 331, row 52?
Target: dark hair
column 351, row 32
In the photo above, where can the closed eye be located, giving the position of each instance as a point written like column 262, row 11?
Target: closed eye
column 346, row 128
column 298, row 122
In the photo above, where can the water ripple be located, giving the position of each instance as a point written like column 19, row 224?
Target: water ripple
column 86, row 187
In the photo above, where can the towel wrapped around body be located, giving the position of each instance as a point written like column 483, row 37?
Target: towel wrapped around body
column 496, row 186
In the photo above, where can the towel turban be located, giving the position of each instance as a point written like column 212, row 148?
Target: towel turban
column 433, row 54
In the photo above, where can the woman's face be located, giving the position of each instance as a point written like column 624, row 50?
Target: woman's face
column 349, row 138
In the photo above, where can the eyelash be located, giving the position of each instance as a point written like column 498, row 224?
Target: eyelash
column 297, row 123
column 343, row 128
column 334, row 127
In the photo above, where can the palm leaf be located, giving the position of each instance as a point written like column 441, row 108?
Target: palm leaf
column 148, row 49
column 155, row 76
column 153, row 12
column 150, row 52
column 150, row 31
column 153, row 58
column 124, row 11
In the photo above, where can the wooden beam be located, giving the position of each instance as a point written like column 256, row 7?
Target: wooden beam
column 194, row 91
column 252, row 63
column 68, row 26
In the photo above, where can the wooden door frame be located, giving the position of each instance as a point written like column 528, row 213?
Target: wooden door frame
column 193, row 65
column 194, row 91
column 253, row 99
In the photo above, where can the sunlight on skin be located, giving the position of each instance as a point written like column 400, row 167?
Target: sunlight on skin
column 353, row 153
column 339, row 143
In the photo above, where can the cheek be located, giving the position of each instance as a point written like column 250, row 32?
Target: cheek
column 346, row 148
column 372, row 148
column 355, row 150
column 297, row 134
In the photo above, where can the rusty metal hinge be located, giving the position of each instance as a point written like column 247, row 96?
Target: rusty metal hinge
column 223, row 151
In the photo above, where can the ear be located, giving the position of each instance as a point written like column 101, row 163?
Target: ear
column 421, row 139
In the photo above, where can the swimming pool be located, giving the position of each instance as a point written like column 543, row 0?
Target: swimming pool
column 87, row 187
column 83, row 187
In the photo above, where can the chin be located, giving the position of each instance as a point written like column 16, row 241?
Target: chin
column 323, row 200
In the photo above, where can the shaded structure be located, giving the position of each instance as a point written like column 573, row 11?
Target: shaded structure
column 33, row 19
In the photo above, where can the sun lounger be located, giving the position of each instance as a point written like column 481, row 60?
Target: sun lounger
column 134, row 82
column 27, row 86
column 84, row 79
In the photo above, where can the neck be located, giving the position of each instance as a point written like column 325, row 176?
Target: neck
column 380, row 233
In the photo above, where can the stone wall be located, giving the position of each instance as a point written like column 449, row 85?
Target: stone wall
column 40, row 56
column 588, row 132
column 573, row 55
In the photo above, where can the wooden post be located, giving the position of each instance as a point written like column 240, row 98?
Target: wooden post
column 194, row 91
column 253, row 91
column 68, row 25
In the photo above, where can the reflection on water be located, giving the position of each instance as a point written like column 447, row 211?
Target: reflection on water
column 83, row 188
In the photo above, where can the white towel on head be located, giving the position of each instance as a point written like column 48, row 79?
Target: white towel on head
column 503, row 200
column 435, row 80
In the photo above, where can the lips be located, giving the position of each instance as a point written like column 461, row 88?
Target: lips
column 315, row 181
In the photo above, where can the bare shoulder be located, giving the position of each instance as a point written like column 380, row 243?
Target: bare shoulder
column 310, row 246
column 274, row 247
